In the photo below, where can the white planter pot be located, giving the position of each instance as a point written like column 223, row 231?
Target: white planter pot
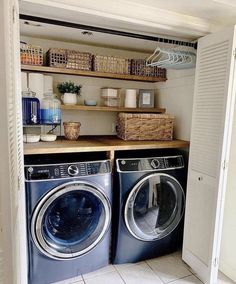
column 69, row 98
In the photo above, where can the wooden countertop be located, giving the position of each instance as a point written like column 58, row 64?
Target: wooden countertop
column 98, row 143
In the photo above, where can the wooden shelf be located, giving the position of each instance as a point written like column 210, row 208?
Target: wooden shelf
column 46, row 69
column 112, row 109
column 96, row 144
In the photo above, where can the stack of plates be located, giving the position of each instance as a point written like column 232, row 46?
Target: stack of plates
column 33, row 138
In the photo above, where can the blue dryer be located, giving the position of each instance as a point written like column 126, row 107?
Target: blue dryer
column 148, row 207
column 68, row 219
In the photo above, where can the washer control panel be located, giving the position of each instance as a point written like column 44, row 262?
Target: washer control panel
column 150, row 164
column 73, row 170
column 45, row 172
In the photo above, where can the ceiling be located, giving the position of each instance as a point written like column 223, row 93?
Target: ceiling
column 184, row 19
column 60, row 33
column 219, row 12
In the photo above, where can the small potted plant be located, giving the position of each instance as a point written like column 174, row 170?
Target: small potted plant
column 70, row 92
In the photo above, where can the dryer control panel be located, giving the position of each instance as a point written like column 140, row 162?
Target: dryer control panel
column 45, row 172
column 150, row 164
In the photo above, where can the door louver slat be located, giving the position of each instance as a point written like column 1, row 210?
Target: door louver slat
column 209, row 106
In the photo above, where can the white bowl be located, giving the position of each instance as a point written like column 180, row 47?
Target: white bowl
column 31, row 138
column 90, row 102
column 48, row 137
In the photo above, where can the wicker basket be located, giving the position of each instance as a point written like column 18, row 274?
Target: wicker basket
column 138, row 67
column 133, row 126
column 31, row 54
column 79, row 60
column 71, row 130
column 111, row 64
column 56, row 57
column 71, row 59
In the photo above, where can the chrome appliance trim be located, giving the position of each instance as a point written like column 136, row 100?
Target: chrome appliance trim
column 134, row 191
column 37, row 218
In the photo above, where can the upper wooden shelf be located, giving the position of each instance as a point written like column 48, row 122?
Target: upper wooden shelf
column 46, row 69
column 98, row 143
column 112, row 109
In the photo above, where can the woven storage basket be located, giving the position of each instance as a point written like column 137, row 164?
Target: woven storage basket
column 138, row 67
column 145, row 126
column 111, row 64
column 31, row 54
column 79, row 60
column 56, row 57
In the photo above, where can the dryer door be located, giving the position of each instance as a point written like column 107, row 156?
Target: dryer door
column 154, row 207
column 70, row 220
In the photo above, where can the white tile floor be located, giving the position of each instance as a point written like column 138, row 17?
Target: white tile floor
column 162, row 270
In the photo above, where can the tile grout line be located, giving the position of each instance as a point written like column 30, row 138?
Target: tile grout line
column 174, row 279
column 185, row 264
column 154, row 272
column 83, row 278
column 179, row 279
column 119, row 274
column 199, row 278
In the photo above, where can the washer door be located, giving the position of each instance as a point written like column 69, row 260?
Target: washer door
column 154, row 207
column 70, row 220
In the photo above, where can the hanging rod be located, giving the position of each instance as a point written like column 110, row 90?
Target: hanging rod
column 106, row 31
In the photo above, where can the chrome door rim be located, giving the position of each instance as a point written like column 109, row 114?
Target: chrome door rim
column 36, row 222
column 135, row 190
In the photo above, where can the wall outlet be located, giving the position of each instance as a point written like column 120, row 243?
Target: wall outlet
column 113, row 127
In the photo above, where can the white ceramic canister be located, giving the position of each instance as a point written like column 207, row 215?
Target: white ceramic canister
column 48, row 84
column 36, row 84
column 131, row 98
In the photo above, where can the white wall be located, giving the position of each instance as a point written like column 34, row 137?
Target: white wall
column 176, row 95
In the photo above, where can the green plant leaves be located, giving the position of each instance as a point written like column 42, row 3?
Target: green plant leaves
column 69, row 87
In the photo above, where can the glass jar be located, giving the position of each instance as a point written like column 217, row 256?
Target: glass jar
column 30, row 108
column 50, row 109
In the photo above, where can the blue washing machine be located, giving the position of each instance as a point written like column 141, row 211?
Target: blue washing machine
column 68, row 219
column 148, row 207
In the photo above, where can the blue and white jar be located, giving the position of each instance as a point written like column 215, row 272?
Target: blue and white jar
column 50, row 109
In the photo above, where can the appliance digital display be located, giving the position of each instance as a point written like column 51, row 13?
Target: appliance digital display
column 174, row 162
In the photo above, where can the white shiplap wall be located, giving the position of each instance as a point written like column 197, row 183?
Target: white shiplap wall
column 92, row 122
column 176, row 95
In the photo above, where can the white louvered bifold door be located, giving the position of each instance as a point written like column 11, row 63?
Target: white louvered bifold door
column 213, row 110
column 12, row 197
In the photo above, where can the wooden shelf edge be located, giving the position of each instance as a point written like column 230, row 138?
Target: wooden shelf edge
column 47, row 69
column 98, row 143
column 112, row 109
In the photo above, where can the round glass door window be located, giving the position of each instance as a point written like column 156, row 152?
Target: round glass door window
column 154, row 207
column 70, row 220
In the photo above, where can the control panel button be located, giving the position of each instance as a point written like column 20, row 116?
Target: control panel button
column 155, row 164
column 30, row 170
column 73, row 170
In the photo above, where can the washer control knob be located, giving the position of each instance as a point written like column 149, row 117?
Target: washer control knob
column 73, row 170
column 155, row 164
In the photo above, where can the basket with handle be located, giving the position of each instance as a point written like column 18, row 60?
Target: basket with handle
column 31, row 54
column 56, row 57
column 111, row 64
column 79, row 60
column 145, row 126
column 139, row 68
